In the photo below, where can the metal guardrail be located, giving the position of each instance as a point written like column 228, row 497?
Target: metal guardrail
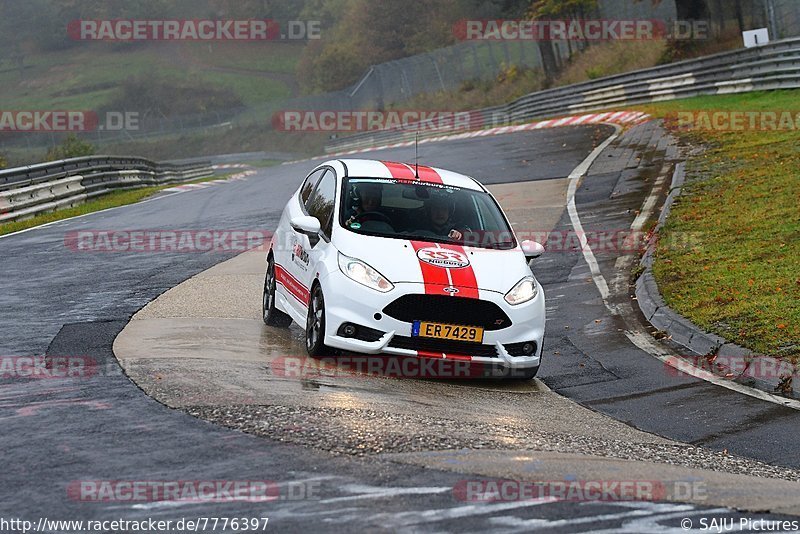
column 769, row 67
column 46, row 187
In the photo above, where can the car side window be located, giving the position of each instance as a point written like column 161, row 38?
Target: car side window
column 322, row 201
column 488, row 217
column 308, row 185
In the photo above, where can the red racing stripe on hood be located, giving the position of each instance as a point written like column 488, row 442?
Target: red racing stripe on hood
column 404, row 171
column 464, row 278
column 435, row 278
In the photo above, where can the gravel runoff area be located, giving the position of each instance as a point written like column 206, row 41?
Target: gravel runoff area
column 363, row 432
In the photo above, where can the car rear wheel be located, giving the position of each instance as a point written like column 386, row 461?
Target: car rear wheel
column 272, row 316
column 315, row 324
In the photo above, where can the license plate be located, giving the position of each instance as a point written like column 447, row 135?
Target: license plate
column 472, row 334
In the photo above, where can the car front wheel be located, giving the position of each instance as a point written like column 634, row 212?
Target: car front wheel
column 315, row 324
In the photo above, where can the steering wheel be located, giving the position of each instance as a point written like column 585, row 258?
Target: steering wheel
column 372, row 216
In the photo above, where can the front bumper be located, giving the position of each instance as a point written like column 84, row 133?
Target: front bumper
column 349, row 302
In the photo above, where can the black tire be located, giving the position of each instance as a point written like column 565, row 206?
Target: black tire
column 315, row 324
column 529, row 374
column 272, row 316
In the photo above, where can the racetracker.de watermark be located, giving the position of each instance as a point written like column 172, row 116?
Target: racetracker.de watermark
column 505, row 490
column 354, row 366
column 157, row 241
column 580, row 30
column 601, row 241
column 43, row 367
column 191, row 491
column 332, row 121
column 609, row 241
column 734, row 367
column 735, row 121
column 127, row 30
column 42, row 120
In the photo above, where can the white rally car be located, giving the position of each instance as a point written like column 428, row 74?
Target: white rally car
column 382, row 257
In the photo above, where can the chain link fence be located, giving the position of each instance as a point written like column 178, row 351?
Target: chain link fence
column 446, row 69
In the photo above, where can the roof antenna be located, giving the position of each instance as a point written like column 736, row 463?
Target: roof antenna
column 416, row 155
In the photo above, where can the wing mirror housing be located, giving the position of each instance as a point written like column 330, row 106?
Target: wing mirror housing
column 531, row 249
column 307, row 225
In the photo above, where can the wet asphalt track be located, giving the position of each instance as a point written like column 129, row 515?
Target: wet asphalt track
column 69, row 303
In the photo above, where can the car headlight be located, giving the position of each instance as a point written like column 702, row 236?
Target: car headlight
column 525, row 290
column 360, row 272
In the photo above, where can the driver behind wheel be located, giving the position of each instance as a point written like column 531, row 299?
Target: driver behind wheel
column 365, row 198
column 440, row 209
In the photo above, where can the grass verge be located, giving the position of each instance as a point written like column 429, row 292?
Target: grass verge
column 737, row 273
column 104, row 202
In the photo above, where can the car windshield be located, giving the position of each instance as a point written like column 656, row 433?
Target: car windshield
column 402, row 209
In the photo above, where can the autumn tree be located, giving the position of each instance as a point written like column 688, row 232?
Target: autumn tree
column 71, row 147
column 366, row 33
column 557, row 9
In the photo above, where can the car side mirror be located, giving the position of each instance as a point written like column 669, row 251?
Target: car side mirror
column 307, row 225
column 531, row 249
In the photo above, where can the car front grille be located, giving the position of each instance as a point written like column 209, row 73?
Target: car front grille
column 446, row 346
column 449, row 310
